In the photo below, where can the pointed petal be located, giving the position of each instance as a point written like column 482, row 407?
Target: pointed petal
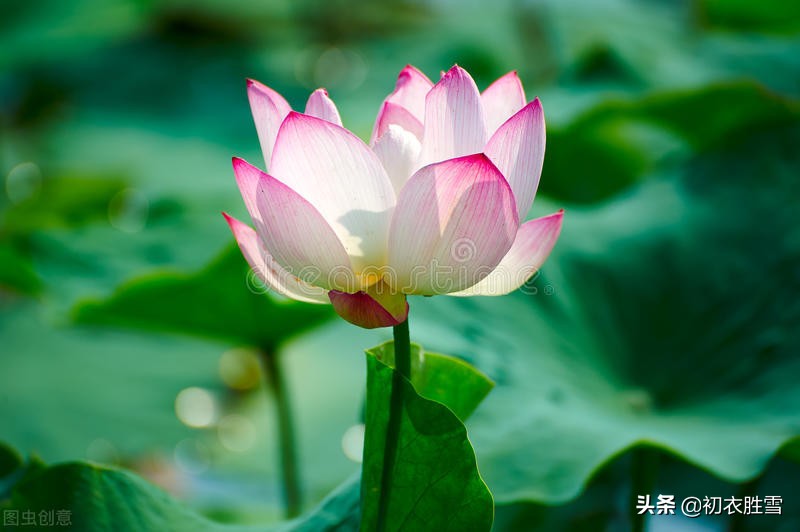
column 395, row 115
column 377, row 307
column 454, row 123
column 533, row 244
column 517, row 149
column 398, row 151
column 269, row 271
column 501, row 100
column 342, row 178
column 269, row 109
column 410, row 91
column 453, row 223
column 321, row 106
column 296, row 234
column 248, row 188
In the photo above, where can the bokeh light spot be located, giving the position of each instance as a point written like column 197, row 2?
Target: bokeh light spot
column 339, row 68
column 196, row 407
column 353, row 443
column 23, row 182
column 240, row 369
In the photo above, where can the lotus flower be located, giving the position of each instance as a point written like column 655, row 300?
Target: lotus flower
column 431, row 206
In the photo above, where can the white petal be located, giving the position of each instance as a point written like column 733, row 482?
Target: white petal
column 410, row 91
column 454, row 123
column 342, row 178
column 453, row 223
column 501, row 100
column 248, row 187
column 321, row 106
column 269, row 271
column 398, row 151
column 269, row 109
column 395, row 115
column 517, row 149
column 296, row 234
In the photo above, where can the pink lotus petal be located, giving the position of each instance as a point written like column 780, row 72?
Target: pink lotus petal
column 342, row 178
column 533, row 244
column 248, row 187
column 269, row 271
column 454, row 122
column 395, row 115
column 321, row 106
column 501, row 100
column 377, row 307
column 398, row 151
column 410, row 91
column 269, row 109
column 517, row 149
column 296, row 234
column 453, row 224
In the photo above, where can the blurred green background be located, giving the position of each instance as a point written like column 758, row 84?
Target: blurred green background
column 663, row 328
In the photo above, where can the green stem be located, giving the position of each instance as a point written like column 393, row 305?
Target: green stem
column 644, row 470
column 402, row 366
column 402, row 349
column 286, row 438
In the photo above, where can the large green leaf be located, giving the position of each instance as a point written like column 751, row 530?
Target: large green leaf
column 110, row 396
column 221, row 301
column 598, row 48
column 340, row 511
column 616, row 143
column 96, row 498
column 435, row 481
column 13, row 470
column 62, row 389
column 34, row 205
column 667, row 317
column 441, row 378
column 600, row 506
column 10, row 460
column 65, row 200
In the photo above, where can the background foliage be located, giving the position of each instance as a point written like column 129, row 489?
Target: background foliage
column 666, row 319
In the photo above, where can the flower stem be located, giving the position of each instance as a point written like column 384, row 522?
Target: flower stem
column 402, row 349
column 286, row 438
column 402, row 366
